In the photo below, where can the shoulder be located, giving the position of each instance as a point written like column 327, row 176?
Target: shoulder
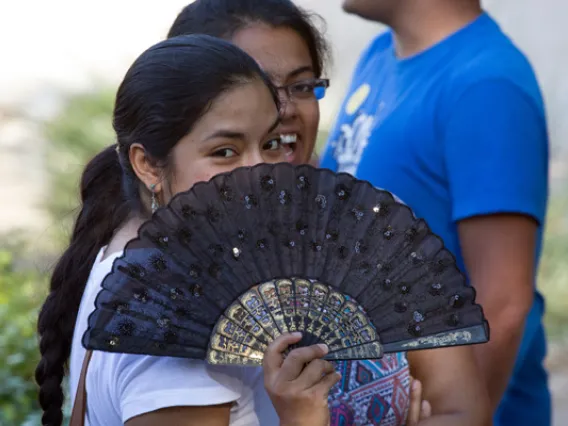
column 164, row 372
column 498, row 63
column 136, row 384
column 375, row 50
column 380, row 43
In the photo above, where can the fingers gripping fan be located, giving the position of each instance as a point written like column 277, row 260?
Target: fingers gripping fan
column 233, row 263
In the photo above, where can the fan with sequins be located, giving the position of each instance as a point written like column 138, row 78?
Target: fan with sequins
column 233, row 263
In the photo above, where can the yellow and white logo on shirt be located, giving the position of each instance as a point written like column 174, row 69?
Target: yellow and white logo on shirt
column 357, row 98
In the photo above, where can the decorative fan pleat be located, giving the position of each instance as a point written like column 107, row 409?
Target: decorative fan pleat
column 231, row 264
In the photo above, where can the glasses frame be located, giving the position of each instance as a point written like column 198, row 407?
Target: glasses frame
column 318, row 92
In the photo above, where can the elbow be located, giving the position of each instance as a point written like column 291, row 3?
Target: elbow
column 508, row 314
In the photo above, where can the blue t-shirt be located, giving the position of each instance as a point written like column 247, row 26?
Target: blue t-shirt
column 456, row 131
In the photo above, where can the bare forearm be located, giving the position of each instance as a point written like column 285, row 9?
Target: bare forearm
column 496, row 359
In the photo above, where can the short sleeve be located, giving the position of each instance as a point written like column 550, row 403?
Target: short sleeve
column 146, row 384
column 496, row 152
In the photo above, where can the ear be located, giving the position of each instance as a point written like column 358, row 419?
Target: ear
column 143, row 167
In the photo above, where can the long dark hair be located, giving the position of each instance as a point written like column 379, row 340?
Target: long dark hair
column 223, row 18
column 164, row 93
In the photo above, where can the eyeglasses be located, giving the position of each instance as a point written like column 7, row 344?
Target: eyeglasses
column 306, row 89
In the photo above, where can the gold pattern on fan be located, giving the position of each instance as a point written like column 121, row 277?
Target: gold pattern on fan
column 253, row 303
column 224, row 344
column 262, row 313
column 372, row 350
column 239, row 315
column 285, row 291
column 302, row 305
column 326, row 323
column 223, row 358
column 317, row 307
column 229, row 329
column 444, row 339
column 349, row 326
column 272, row 302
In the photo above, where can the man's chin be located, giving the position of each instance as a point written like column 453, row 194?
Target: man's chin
column 361, row 9
column 348, row 7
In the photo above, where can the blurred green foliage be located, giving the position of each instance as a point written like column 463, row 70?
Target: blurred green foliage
column 553, row 268
column 20, row 296
column 81, row 129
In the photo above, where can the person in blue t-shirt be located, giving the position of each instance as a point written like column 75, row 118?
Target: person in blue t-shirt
column 445, row 112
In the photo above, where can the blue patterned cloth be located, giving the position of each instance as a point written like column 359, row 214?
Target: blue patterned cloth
column 371, row 392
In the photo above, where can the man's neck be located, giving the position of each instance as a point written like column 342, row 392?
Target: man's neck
column 423, row 26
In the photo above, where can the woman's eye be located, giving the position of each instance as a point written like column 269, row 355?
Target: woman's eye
column 303, row 88
column 225, row 153
column 273, row 144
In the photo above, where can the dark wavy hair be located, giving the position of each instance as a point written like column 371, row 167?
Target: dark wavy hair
column 223, row 18
column 164, row 93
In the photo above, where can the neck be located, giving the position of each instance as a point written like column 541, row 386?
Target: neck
column 123, row 235
column 422, row 25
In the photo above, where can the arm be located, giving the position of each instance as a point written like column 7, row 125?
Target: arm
column 499, row 257
column 180, row 392
column 443, row 373
column 217, row 415
column 174, row 391
column 497, row 160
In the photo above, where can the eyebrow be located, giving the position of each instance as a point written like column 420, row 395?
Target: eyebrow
column 293, row 73
column 230, row 134
column 300, row 70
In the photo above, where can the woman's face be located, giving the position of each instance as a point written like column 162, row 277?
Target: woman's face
column 238, row 130
column 285, row 57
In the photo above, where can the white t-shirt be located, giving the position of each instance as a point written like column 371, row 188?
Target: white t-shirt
column 123, row 386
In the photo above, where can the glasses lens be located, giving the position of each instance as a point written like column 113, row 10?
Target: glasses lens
column 308, row 89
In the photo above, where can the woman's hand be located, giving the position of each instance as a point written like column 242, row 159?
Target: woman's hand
column 299, row 384
column 419, row 409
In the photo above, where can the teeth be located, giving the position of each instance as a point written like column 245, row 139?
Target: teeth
column 289, row 138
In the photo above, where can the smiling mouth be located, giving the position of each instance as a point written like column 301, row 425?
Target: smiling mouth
column 290, row 143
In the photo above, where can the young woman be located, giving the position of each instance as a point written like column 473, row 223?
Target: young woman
column 183, row 114
column 284, row 41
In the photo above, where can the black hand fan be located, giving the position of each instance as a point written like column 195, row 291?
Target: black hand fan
column 231, row 264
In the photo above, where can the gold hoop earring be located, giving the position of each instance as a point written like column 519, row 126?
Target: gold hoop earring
column 155, row 205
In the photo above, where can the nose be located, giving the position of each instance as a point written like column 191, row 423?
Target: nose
column 253, row 158
column 288, row 107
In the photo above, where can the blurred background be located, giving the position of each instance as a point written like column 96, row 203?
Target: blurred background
column 60, row 64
